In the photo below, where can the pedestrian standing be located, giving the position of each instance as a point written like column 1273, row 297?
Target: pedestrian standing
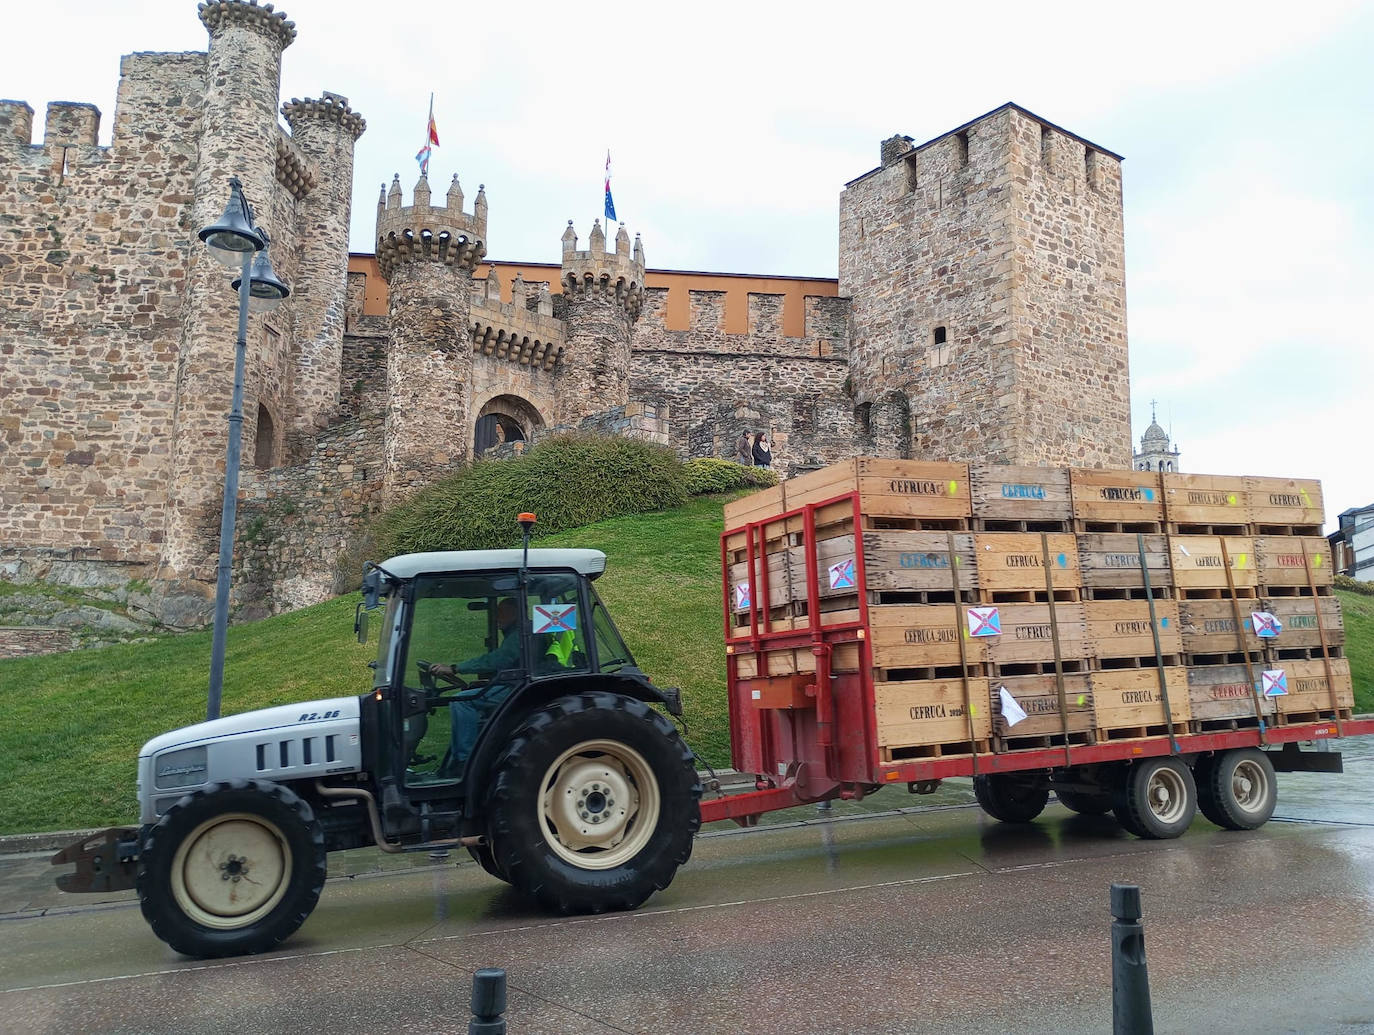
column 763, row 455
column 744, row 450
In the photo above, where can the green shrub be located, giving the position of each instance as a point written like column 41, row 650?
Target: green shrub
column 707, row 475
column 567, row 480
column 1355, row 585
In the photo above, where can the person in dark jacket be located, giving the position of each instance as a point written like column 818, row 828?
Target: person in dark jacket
column 763, row 455
column 744, row 451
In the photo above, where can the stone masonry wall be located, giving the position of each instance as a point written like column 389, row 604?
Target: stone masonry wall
column 299, row 525
column 1070, row 307
column 93, row 253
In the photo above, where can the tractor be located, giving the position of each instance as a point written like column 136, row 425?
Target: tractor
column 506, row 716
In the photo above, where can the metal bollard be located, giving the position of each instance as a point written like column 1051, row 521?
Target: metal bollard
column 1130, row 979
column 488, row 1002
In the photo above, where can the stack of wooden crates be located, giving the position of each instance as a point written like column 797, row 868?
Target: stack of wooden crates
column 1058, row 552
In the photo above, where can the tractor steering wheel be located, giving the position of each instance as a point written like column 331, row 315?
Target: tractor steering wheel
column 428, row 677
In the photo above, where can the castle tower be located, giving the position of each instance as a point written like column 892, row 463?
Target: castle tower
column 427, row 256
column 604, row 292
column 986, row 269
column 238, row 137
column 1156, row 454
column 326, row 131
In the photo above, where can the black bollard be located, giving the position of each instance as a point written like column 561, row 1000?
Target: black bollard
column 488, row 1002
column 1130, row 979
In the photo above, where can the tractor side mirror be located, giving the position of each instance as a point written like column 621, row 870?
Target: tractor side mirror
column 360, row 624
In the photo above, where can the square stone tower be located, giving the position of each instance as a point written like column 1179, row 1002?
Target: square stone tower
column 986, row 269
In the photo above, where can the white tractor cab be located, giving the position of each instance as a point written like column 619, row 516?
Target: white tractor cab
column 506, row 716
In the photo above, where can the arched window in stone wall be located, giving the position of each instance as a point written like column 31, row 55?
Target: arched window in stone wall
column 265, row 448
column 502, row 420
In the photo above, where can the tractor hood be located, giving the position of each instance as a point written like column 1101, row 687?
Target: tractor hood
column 294, row 742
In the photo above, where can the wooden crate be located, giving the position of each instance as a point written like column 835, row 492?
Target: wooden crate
column 1209, row 500
column 921, row 635
column 889, row 488
column 1197, row 562
column 1122, row 629
column 1131, row 698
column 1309, row 693
column 1280, row 560
column 1014, row 494
column 899, row 560
column 1038, row 697
column 1286, row 503
column 1220, row 692
column 1014, row 561
column 1116, row 497
column 1111, row 560
column 845, row 657
column 1209, row 626
column 1027, row 634
column 1299, row 618
column 756, row 506
column 929, row 711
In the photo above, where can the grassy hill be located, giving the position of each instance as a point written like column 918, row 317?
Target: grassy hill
column 74, row 722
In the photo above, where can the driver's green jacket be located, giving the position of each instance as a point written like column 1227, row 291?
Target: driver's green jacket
column 507, row 655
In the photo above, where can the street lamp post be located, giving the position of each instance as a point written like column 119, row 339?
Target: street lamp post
column 236, row 241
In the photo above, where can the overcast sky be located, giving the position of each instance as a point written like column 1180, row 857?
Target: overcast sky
column 1247, row 132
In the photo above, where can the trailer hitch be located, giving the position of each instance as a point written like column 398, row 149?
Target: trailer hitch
column 106, row 861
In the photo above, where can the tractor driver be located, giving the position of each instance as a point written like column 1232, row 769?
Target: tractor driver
column 470, row 708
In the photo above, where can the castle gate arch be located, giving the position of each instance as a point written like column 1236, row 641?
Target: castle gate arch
column 503, row 419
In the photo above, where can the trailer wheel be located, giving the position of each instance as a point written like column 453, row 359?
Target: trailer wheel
column 232, row 869
column 1238, row 790
column 1157, row 799
column 1085, row 803
column 594, row 804
column 1010, row 799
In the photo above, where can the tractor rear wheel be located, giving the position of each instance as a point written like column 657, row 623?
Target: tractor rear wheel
column 232, row 869
column 594, row 804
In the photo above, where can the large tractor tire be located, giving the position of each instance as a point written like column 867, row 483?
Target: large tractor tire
column 232, row 869
column 594, row 804
column 1011, row 799
column 1237, row 789
column 1157, row 799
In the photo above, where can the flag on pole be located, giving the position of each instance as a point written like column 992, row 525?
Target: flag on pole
column 431, row 140
column 610, row 204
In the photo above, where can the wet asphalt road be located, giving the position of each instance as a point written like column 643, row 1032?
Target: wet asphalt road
column 906, row 917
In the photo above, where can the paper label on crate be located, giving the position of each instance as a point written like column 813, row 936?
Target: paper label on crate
column 842, row 575
column 1011, row 711
column 984, row 621
column 742, row 598
column 1266, row 626
column 1275, row 682
column 553, row 618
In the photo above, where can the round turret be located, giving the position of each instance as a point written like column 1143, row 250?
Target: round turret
column 422, row 233
column 617, row 275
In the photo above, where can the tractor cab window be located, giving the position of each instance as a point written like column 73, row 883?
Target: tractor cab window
column 463, row 655
column 611, row 652
column 557, row 628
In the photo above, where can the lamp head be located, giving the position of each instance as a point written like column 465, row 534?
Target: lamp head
column 265, row 289
column 233, row 234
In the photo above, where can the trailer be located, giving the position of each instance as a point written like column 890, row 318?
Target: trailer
column 865, row 647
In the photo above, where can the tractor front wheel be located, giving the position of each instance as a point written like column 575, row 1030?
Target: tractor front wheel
column 594, row 804
column 232, row 869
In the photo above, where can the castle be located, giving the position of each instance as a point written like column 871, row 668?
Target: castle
column 980, row 314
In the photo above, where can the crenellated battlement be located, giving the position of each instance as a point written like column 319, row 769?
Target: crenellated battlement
column 329, row 108
column 220, row 15
column 824, row 336
column 599, row 273
column 293, row 171
column 65, row 124
column 421, row 233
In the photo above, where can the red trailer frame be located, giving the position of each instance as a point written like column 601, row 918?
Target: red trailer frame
column 821, row 742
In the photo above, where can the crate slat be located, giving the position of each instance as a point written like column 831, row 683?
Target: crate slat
column 1009, row 561
column 1299, row 618
column 1285, row 501
column 1038, row 696
column 1308, row 689
column 1216, row 500
column 1121, row 628
column 1111, row 560
column 1197, row 561
column 1131, row 697
column 1280, row 560
column 1224, row 692
column 1027, row 635
column 1116, row 496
